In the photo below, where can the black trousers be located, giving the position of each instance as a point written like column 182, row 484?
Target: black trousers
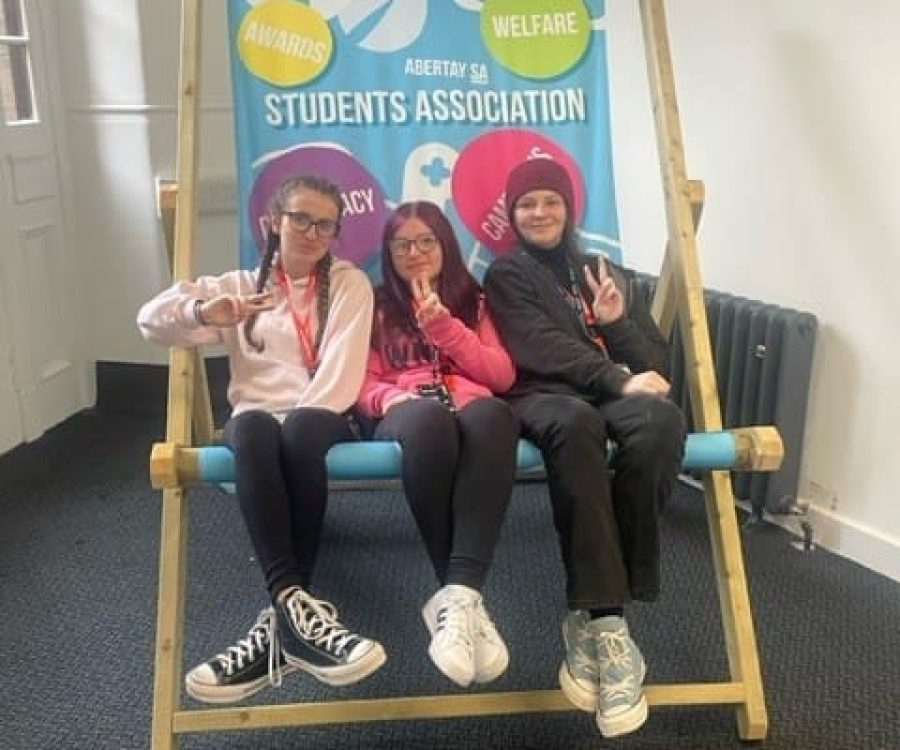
column 607, row 522
column 282, row 487
column 458, row 472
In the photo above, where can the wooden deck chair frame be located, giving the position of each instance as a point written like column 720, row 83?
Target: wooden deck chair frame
column 679, row 297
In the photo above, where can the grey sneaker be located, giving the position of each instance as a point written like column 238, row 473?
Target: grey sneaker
column 578, row 673
column 604, row 672
column 243, row 669
column 449, row 618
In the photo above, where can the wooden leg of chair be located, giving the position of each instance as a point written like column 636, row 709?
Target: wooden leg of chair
column 737, row 619
column 169, row 618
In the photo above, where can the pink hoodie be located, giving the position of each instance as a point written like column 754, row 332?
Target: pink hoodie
column 479, row 365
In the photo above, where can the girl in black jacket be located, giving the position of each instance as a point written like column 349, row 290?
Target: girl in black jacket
column 591, row 368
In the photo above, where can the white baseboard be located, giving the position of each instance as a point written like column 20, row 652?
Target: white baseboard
column 836, row 533
column 851, row 539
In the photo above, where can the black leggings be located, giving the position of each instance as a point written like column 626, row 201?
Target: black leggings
column 458, row 473
column 282, row 487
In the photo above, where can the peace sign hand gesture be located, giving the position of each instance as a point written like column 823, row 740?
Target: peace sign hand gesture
column 609, row 303
column 426, row 303
column 227, row 310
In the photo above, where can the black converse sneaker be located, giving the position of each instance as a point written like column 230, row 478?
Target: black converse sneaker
column 313, row 640
column 243, row 669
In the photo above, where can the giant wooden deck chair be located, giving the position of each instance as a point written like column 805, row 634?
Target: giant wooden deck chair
column 186, row 456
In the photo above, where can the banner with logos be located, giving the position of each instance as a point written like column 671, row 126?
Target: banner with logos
column 397, row 100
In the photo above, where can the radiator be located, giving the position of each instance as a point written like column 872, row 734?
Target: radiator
column 763, row 358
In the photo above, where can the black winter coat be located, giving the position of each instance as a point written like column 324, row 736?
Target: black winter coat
column 548, row 340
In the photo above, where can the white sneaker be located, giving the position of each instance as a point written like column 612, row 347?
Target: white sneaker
column 491, row 654
column 449, row 616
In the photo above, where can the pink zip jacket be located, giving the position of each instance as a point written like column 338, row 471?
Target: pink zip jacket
column 479, row 365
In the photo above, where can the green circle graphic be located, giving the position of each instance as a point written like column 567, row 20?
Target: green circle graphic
column 534, row 38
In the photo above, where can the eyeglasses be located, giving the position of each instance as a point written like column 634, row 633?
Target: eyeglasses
column 403, row 245
column 302, row 221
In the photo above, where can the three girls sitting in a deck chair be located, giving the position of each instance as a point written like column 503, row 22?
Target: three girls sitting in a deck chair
column 298, row 331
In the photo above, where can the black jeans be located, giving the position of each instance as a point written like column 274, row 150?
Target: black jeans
column 607, row 523
column 458, row 472
column 282, row 487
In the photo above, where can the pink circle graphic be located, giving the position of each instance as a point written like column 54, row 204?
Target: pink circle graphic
column 479, row 190
column 365, row 212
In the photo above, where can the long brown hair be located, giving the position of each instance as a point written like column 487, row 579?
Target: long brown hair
column 457, row 288
column 273, row 242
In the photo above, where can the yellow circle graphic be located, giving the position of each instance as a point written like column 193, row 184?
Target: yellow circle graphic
column 285, row 43
column 534, row 40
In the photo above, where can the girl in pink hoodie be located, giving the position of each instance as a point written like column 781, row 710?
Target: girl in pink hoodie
column 436, row 363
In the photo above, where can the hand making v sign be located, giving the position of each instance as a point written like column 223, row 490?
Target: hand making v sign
column 427, row 304
column 609, row 302
column 227, row 310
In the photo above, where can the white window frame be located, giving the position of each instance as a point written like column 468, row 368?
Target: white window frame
column 20, row 87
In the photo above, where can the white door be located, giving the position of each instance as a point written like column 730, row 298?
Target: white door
column 12, row 430
column 41, row 367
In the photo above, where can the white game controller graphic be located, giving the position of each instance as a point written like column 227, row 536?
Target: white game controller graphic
column 426, row 175
column 400, row 24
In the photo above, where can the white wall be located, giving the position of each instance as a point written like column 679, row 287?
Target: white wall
column 786, row 111
column 120, row 72
column 789, row 115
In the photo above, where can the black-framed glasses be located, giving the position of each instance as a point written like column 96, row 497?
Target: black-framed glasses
column 404, row 245
column 302, row 221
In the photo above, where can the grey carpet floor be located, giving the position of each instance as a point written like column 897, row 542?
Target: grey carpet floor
column 78, row 556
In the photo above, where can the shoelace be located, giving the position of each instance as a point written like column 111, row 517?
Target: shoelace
column 452, row 622
column 275, row 673
column 317, row 620
column 245, row 650
column 484, row 625
column 617, row 652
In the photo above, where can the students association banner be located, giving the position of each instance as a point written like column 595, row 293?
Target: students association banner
column 397, row 100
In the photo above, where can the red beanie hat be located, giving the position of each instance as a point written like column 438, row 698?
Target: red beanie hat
column 539, row 174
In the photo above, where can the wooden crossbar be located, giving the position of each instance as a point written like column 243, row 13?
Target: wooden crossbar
column 679, row 297
column 434, row 707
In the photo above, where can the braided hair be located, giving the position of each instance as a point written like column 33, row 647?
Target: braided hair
column 273, row 242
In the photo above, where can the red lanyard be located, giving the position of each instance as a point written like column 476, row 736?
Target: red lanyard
column 585, row 311
column 301, row 322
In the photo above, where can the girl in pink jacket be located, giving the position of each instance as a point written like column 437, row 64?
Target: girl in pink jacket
column 436, row 363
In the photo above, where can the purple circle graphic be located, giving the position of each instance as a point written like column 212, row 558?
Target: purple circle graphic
column 365, row 212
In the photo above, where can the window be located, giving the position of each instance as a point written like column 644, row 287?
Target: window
column 16, row 90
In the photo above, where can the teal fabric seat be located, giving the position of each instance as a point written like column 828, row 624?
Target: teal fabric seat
column 381, row 459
